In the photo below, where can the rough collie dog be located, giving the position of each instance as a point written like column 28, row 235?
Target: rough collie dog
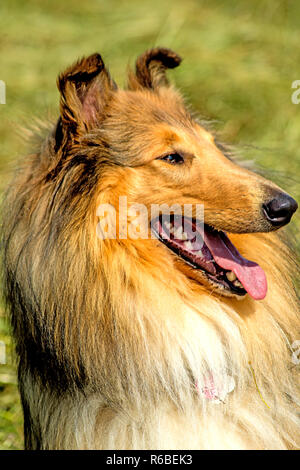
column 181, row 340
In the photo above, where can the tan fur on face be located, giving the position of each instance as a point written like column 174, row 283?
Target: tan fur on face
column 232, row 196
column 113, row 336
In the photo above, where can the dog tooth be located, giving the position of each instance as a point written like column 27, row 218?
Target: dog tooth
column 169, row 227
column 238, row 284
column 178, row 232
column 188, row 245
column 184, row 236
column 199, row 253
column 231, row 276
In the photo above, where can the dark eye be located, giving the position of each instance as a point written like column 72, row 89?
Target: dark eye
column 173, row 158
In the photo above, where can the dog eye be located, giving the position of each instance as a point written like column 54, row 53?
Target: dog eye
column 173, row 158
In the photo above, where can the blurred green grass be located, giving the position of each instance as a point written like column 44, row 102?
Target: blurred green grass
column 240, row 59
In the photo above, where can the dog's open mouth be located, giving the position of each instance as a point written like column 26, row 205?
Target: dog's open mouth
column 211, row 251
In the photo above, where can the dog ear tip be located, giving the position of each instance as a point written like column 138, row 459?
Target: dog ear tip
column 177, row 60
column 150, row 67
column 172, row 55
column 165, row 55
column 87, row 64
column 96, row 58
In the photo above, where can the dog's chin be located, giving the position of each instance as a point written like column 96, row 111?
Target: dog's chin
column 208, row 257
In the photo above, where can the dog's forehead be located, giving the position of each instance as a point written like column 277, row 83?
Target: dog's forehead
column 165, row 106
column 139, row 113
column 143, row 124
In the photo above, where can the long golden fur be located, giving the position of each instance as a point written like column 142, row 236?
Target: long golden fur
column 112, row 336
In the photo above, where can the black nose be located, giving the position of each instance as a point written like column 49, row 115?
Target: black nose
column 279, row 210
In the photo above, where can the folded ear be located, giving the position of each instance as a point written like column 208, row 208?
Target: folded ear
column 85, row 89
column 151, row 68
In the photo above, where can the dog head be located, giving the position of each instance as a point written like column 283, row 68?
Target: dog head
column 143, row 143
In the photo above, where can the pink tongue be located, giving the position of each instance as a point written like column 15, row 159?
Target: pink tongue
column 250, row 274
